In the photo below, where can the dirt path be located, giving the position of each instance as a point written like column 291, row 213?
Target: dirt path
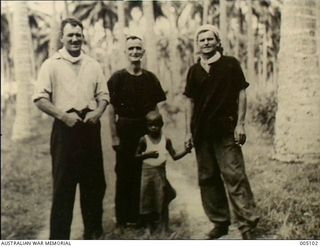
column 188, row 204
column 186, row 212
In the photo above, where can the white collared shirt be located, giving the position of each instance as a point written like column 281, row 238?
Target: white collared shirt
column 71, row 82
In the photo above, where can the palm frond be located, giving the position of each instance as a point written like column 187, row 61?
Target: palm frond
column 82, row 10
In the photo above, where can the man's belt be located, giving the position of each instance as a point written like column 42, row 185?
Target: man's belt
column 81, row 113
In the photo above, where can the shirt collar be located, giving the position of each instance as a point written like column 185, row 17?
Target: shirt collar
column 65, row 55
column 211, row 60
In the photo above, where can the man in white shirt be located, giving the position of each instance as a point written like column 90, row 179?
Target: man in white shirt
column 71, row 88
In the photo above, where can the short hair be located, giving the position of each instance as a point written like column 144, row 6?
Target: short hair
column 154, row 116
column 72, row 21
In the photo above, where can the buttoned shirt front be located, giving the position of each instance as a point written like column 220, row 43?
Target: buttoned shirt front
column 70, row 82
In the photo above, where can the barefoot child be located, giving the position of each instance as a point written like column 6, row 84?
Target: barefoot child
column 156, row 191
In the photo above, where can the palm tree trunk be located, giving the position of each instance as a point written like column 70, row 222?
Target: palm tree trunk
column 223, row 26
column 151, row 51
column 318, row 28
column 297, row 120
column 55, row 43
column 66, row 8
column 238, row 34
column 24, row 72
column 3, row 96
column 121, row 20
column 264, row 54
column 205, row 11
column 250, row 53
column 175, row 61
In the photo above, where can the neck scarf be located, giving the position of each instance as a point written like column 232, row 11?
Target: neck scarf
column 205, row 63
column 66, row 55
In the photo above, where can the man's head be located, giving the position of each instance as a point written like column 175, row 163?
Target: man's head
column 208, row 40
column 72, row 35
column 154, row 123
column 134, row 48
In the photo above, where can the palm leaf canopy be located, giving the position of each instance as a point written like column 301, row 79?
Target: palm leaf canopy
column 95, row 11
column 156, row 7
column 4, row 31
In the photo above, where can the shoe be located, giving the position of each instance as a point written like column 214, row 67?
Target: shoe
column 218, row 232
column 248, row 235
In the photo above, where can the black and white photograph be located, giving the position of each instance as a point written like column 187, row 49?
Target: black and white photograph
column 160, row 120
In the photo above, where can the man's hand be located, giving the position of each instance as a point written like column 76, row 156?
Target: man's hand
column 188, row 146
column 240, row 134
column 92, row 117
column 116, row 147
column 188, row 143
column 115, row 143
column 70, row 119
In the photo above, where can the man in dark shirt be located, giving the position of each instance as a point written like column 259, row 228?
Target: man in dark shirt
column 133, row 93
column 216, row 109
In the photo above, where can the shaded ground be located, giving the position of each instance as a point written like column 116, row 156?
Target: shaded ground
column 187, row 218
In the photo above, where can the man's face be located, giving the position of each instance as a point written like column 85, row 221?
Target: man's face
column 135, row 50
column 72, row 38
column 207, row 43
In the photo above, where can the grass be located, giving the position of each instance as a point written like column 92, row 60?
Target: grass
column 287, row 195
column 25, row 183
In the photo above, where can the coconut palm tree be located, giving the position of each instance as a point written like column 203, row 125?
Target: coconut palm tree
column 94, row 11
column 223, row 25
column 121, row 21
column 151, row 51
column 5, row 47
column 250, row 48
column 205, row 11
column 24, row 71
column 297, row 132
column 54, row 43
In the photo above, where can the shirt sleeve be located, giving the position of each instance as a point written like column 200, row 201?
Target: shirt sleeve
column 158, row 93
column 43, row 85
column 188, row 91
column 101, row 92
column 240, row 80
column 112, row 90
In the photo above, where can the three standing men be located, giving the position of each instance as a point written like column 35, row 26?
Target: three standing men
column 133, row 93
column 216, row 109
column 72, row 89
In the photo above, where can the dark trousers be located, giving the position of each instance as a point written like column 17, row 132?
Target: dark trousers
column 76, row 158
column 221, row 170
column 128, row 171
